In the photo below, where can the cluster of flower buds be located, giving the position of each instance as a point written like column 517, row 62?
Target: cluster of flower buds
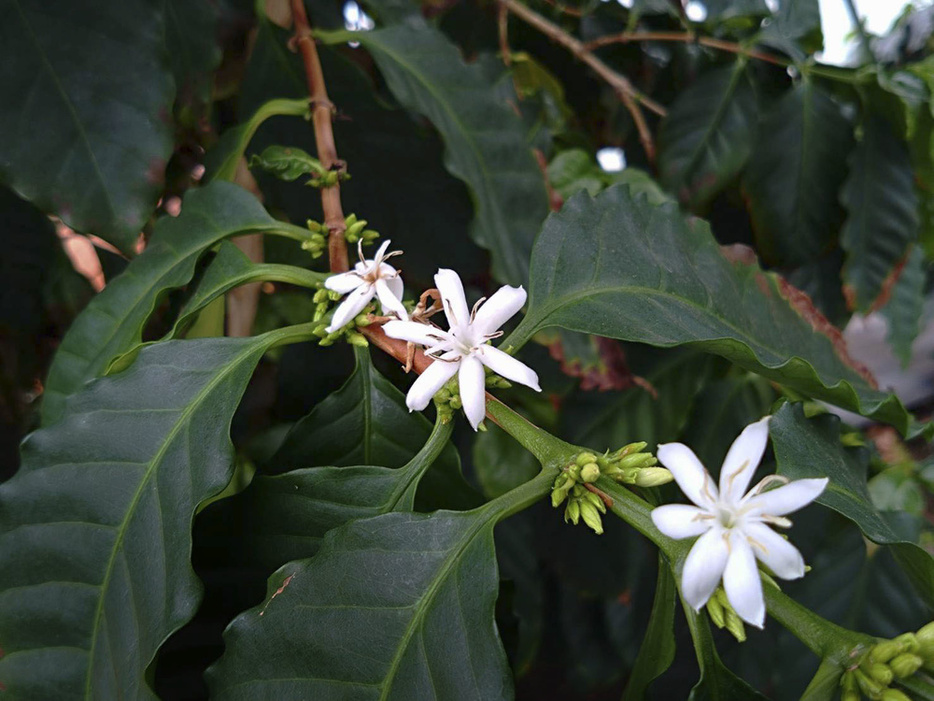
column 356, row 230
column 323, row 299
column 723, row 615
column 328, row 178
column 887, row 662
column 628, row 465
column 318, row 242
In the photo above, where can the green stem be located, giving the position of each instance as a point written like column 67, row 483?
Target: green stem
column 404, row 498
column 548, row 449
column 289, row 231
column 289, row 274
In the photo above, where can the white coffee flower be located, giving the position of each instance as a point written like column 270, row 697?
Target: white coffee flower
column 369, row 279
column 733, row 527
column 463, row 348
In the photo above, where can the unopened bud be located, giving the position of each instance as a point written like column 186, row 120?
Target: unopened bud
column 591, row 517
column 653, row 477
column 590, row 472
column 362, row 319
column 908, row 642
column 629, row 449
column 926, row 634
column 369, row 235
column 716, row 613
column 879, row 672
column 314, row 226
column 320, row 296
column 734, row 624
column 585, row 459
column 355, row 228
column 575, row 472
column 869, row 687
column 885, row 651
column 320, row 331
column 456, row 402
column 358, row 339
column 572, row 512
column 596, row 501
column 637, row 460
column 350, row 220
column 906, row 664
column 558, row 496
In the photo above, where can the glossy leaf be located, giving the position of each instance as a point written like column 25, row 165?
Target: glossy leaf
column 795, row 28
column 287, row 162
column 113, row 322
column 485, row 142
column 500, row 463
column 619, row 267
column 85, row 110
column 658, row 647
column 903, row 311
column 795, row 173
column 882, row 212
column 812, row 448
column 192, row 46
column 95, row 525
column 366, row 422
column 283, row 518
column 708, row 134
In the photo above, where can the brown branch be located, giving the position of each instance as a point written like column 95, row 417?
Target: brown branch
column 630, row 96
column 322, row 110
column 685, row 37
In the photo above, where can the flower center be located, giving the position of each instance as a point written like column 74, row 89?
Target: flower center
column 727, row 518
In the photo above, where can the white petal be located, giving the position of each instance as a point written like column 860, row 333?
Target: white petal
column 351, row 306
column 396, row 286
column 787, row 498
column 428, row 384
column 681, row 521
column 742, row 583
column 473, row 389
column 381, row 251
column 775, row 552
column 742, row 460
column 498, row 309
column 452, row 297
column 689, row 473
column 344, row 282
column 504, row 364
column 389, row 301
column 704, row 567
column 414, row 332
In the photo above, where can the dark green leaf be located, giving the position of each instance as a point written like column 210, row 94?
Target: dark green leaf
column 486, row 144
column 905, row 306
column 708, row 134
column 795, row 28
column 882, row 212
column 85, row 110
column 283, row 518
column 725, row 10
column 399, row 606
column 825, row 683
column 113, row 322
column 658, row 647
column 795, row 173
column 95, row 525
column 366, row 422
column 192, row 46
column 812, row 448
column 619, row 267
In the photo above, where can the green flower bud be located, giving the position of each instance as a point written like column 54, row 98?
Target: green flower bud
column 572, row 512
column 578, row 491
column 561, row 480
column 358, row 339
column 926, row 634
column 906, row 664
column 362, row 319
column 637, row 460
column 880, row 673
column 350, row 220
column 320, row 296
column 558, row 496
column 596, row 501
column 456, row 402
column 609, row 469
column 885, row 651
column 591, row 517
column 734, row 624
column 653, row 477
column 357, row 227
column 628, row 475
column 869, row 687
column 314, row 226
column 908, row 641
column 894, row 695
column 848, row 683
column 334, row 296
column 630, row 448
column 585, row 459
column 369, row 235
column 590, row 472
column 321, row 330
column 716, row 612
column 850, row 696
column 575, row 472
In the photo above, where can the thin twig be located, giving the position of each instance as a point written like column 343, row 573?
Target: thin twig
column 630, row 96
column 322, row 110
column 860, row 28
column 686, row 37
column 502, row 21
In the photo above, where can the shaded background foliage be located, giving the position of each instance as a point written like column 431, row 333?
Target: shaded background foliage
column 458, row 156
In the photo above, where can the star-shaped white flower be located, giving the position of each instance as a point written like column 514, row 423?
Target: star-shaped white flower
column 733, row 526
column 369, row 279
column 463, row 348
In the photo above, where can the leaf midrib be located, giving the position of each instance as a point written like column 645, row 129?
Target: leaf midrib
column 421, row 606
column 186, row 413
